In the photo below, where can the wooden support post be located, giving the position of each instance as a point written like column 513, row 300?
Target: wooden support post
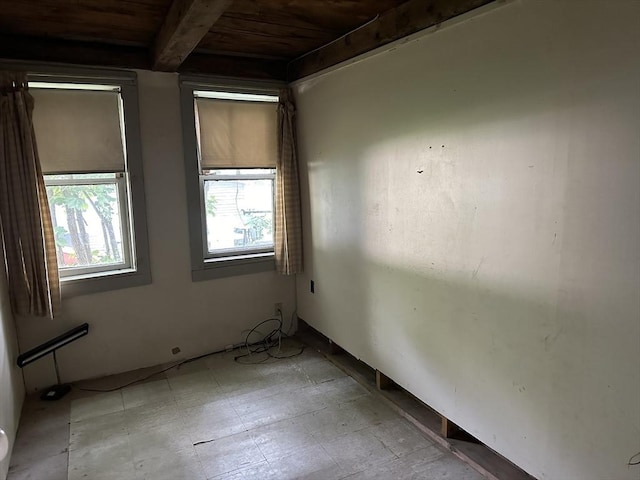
column 334, row 348
column 449, row 429
column 383, row 382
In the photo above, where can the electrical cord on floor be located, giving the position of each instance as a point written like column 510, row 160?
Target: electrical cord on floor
column 105, row 390
column 147, row 377
column 267, row 344
column 264, row 345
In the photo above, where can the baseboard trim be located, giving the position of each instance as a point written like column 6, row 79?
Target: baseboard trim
column 435, row 426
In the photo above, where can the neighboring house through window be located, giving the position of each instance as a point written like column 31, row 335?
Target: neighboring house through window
column 230, row 154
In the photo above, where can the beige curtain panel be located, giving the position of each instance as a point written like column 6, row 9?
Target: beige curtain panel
column 234, row 134
column 30, row 254
column 288, row 232
column 78, row 130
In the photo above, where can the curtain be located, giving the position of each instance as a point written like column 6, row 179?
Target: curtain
column 30, row 255
column 288, row 232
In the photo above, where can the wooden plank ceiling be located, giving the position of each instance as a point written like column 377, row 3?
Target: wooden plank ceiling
column 261, row 39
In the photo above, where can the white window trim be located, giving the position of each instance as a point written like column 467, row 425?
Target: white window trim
column 127, row 82
column 202, row 267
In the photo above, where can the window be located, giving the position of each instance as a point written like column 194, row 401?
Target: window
column 87, row 135
column 238, row 209
column 91, row 222
column 230, row 156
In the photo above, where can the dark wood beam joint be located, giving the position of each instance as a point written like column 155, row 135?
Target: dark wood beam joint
column 186, row 23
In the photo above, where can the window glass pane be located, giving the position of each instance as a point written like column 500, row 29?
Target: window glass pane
column 80, row 176
column 241, row 171
column 87, row 224
column 235, row 96
column 239, row 214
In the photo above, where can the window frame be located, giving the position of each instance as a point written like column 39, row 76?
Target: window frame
column 139, row 272
column 204, row 267
column 128, row 252
column 226, row 253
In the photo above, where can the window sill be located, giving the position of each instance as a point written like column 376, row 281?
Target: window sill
column 213, row 268
column 104, row 281
column 87, row 276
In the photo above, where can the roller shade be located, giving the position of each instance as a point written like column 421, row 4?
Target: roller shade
column 78, row 130
column 236, row 134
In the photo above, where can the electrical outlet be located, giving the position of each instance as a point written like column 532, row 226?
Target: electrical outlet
column 277, row 308
column 175, row 350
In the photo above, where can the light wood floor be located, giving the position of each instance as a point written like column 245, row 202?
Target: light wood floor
column 217, row 419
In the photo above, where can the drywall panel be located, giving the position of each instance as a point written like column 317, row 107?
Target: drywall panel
column 11, row 383
column 138, row 327
column 472, row 225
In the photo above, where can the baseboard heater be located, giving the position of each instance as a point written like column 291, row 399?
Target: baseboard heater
column 55, row 392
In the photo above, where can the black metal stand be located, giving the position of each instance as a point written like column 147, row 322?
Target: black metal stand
column 55, row 392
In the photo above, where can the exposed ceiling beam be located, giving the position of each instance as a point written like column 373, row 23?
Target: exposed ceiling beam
column 236, row 67
column 407, row 18
column 186, row 23
column 37, row 49
column 56, row 50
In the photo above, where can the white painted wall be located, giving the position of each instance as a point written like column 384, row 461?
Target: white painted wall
column 473, row 226
column 11, row 384
column 137, row 327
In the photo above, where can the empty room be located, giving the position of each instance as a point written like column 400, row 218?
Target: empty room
column 320, row 239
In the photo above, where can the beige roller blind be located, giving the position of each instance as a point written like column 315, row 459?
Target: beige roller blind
column 236, row 134
column 78, row 130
